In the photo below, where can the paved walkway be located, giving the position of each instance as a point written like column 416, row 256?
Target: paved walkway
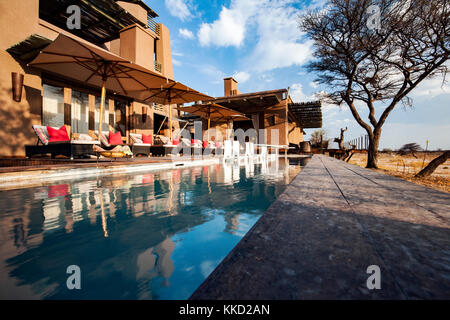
column 332, row 222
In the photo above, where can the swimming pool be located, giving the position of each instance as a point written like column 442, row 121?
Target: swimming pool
column 147, row 235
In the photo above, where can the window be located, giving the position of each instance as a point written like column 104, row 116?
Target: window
column 80, row 112
column 53, row 106
column 105, row 121
column 120, row 117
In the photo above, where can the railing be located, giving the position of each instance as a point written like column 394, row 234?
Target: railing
column 360, row 143
column 152, row 25
column 158, row 66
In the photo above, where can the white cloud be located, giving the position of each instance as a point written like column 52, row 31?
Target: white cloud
column 241, row 76
column 280, row 42
column 297, row 94
column 178, row 8
column 176, row 62
column 314, row 84
column 185, row 33
column 214, row 75
column 273, row 23
column 431, row 88
column 228, row 30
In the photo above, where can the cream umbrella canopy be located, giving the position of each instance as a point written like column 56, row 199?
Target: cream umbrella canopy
column 215, row 112
column 94, row 66
column 172, row 93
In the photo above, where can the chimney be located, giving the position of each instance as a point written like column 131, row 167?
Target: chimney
column 230, row 87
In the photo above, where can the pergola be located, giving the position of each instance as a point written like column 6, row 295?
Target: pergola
column 307, row 114
column 253, row 102
column 101, row 20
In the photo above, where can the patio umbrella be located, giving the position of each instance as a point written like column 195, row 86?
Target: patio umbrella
column 94, row 66
column 172, row 93
column 215, row 112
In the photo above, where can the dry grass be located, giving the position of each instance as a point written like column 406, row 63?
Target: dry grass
column 407, row 166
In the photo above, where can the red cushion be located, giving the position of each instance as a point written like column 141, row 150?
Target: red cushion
column 205, row 144
column 55, row 135
column 176, row 142
column 147, row 138
column 115, row 138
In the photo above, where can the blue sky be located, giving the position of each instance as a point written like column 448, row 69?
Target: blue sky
column 258, row 43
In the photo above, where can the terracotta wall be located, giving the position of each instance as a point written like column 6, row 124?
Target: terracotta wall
column 295, row 133
column 276, row 118
column 136, row 10
column 137, row 45
column 16, row 118
column 164, row 52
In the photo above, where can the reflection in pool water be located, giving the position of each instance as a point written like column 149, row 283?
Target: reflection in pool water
column 153, row 235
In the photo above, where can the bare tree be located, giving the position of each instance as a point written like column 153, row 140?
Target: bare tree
column 377, row 66
column 429, row 169
column 318, row 137
column 409, row 148
column 340, row 140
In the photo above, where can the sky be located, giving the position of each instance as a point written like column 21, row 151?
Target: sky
column 258, row 42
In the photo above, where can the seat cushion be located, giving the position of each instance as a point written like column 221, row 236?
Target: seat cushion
column 136, row 138
column 55, row 135
column 115, row 138
column 41, row 132
column 147, row 138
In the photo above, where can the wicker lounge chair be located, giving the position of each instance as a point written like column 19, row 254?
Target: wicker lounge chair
column 138, row 147
column 71, row 149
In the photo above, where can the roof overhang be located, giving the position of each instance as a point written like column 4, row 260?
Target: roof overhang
column 28, row 49
column 307, row 114
column 101, row 20
column 255, row 102
column 141, row 3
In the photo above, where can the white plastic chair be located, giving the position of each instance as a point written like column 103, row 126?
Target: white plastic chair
column 263, row 152
column 227, row 149
column 248, row 150
column 236, row 149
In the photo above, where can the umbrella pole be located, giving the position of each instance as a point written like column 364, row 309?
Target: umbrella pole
column 170, row 122
column 102, row 105
column 209, row 121
column 209, row 124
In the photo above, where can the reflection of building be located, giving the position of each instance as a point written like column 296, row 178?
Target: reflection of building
column 156, row 262
column 125, row 28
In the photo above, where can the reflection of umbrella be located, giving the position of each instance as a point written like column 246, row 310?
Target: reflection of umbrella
column 95, row 66
column 215, row 112
column 176, row 93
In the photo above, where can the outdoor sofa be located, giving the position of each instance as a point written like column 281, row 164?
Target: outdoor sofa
column 81, row 147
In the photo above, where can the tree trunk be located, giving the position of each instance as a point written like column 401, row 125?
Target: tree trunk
column 429, row 169
column 372, row 152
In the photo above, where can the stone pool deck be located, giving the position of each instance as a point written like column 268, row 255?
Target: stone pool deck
column 332, row 222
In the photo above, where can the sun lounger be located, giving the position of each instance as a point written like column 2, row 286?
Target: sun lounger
column 227, row 149
column 105, row 144
column 138, row 147
column 71, row 148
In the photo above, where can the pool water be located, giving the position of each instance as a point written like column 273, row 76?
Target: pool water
column 149, row 235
